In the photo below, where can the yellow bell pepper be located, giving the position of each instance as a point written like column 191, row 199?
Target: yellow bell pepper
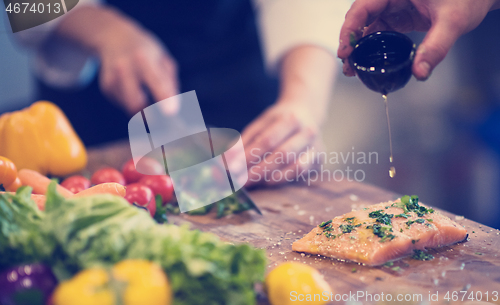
column 130, row 282
column 41, row 138
column 295, row 283
column 87, row 287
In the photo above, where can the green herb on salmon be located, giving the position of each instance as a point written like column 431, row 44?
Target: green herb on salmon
column 383, row 232
column 410, row 204
column 410, row 222
column 350, row 219
column 381, row 217
column 421, row 255
column 325, row 223
column 348, row 228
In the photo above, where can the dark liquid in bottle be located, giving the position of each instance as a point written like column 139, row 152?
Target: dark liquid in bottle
column 392, row 169
column 383, row 60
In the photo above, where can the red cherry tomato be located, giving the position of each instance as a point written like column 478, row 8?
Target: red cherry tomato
column 150, row 165
column 76, row 183
column 142, row 196
column 107, row 174
column 160, row 185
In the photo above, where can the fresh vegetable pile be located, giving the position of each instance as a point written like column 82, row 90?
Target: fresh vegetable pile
column 102, row 230
column 155, row 192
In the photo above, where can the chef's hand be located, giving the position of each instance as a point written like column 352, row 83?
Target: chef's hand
column 133, row 61
column 284, row 138
column 445, row 21
column 281, row 143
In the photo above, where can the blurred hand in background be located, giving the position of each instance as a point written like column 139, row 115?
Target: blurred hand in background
column 133, row 62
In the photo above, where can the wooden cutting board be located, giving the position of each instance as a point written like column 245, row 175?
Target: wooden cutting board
column 291, row 211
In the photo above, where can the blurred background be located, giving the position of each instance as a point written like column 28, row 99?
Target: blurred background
column 445, row 131
column 17, row 86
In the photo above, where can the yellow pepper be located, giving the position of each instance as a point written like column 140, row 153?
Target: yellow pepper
column 41, row 138
column 87, row 287
column 295, row 283
column 130, row 282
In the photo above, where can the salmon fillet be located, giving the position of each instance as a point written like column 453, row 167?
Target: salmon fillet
column 381, row 233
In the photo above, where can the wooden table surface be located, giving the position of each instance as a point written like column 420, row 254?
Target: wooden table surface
column 293, row 210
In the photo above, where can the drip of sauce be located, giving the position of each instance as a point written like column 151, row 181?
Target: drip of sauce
column 392, row 169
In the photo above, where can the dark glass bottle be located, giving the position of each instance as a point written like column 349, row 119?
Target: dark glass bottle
column 383, row 60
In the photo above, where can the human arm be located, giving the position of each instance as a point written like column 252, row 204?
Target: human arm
column 299, row 43
column 291, row 127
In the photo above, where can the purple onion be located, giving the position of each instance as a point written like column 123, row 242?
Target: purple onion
column 26, row 285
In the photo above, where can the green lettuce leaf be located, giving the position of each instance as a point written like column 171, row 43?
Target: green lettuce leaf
column 21, row 240
column 105, row 229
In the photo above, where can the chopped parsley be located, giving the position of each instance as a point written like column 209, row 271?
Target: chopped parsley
column 381, row 217
column 397, row 268
column 330, row 235
column 421, row 255
column 410, row 204
column 402, row 215
column 346, row 228
column 350, row 219
column 382, row 232
column 410, row 222
column 387, row 237
column 325, row 223
column 327, row 229
column 414, row 241
column 389, row 264
column 353, row 270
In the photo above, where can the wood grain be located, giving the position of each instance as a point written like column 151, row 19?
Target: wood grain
column 291, row 211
